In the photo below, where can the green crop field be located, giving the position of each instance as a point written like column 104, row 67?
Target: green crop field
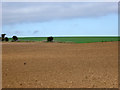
column 71, row 39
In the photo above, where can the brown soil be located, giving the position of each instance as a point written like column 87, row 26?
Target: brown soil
column 60, row 65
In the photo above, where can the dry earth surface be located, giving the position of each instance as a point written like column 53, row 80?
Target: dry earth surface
column 59, row 65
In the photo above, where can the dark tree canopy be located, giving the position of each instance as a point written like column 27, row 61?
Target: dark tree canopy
column 3, row 36
column 6, row 39
column 50, row 39
column 15, row 38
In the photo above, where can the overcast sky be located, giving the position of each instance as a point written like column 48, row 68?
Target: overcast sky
column 34, row 19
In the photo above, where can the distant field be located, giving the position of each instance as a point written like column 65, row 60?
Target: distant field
column 71, row 39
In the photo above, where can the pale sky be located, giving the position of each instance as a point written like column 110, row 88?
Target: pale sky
column 38, row 19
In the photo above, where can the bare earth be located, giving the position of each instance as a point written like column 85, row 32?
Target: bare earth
column 59, row 65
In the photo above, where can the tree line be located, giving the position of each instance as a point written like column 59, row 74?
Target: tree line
column 15, row 38
column 3, row 38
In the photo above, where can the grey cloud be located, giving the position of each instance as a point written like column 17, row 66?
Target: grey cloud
column 36, row 31
column 14, row 13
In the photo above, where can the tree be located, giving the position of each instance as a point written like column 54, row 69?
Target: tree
column 3, row 37
column 50, row 39
column 6, row 39
column 15, row 38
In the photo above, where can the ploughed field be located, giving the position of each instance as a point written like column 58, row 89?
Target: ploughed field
column 59, row 65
